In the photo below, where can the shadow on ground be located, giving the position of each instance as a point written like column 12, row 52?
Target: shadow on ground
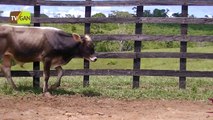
column 29, row 89
column 87, row 91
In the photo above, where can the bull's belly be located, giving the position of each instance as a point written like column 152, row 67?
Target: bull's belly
column 25, row 58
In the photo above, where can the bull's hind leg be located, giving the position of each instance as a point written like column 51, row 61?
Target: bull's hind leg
column 58, row 82
column 6, row 69
column 47, row 64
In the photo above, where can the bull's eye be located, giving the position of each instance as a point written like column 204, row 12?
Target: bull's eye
column 91, row 48
column 92, row 51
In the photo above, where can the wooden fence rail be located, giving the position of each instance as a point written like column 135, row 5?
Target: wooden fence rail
column 142, row 37
column 138, row 38
column 156, row 55
column 117, row 72
column 179, row 20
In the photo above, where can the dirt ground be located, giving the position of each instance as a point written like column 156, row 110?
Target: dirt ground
column 93, row 108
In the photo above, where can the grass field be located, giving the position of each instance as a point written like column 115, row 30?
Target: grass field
column 120, row 86
column 146, row 63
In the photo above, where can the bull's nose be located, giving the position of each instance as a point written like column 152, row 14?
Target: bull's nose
column 93, row 59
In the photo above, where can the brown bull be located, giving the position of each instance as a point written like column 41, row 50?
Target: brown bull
column 49, row 45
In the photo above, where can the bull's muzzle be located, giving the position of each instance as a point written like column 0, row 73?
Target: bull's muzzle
column 93, row 59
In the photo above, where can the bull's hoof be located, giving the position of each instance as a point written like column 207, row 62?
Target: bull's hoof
column 53, row 87
column 47, row 94
column 15, row 88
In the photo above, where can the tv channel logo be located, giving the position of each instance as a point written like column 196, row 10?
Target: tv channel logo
column 20, row 17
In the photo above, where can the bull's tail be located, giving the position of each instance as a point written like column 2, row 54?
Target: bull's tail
column 3, row 40
column 3, row 31
column 3, row 47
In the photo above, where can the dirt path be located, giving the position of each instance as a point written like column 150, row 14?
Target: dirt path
column 85, row 108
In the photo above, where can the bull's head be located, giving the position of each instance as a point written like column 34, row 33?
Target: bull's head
column 86, row 49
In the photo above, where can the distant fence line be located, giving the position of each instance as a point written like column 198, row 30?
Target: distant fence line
column 138, row 37
column 109, row 3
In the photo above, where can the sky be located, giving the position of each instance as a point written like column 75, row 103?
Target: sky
column 51, row 11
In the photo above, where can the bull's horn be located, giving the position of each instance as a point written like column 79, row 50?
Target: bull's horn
column 87, row 37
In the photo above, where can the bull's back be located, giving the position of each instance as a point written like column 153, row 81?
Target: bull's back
column 28, row 38
column 26, row 44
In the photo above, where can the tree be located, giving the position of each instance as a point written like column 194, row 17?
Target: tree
column 160, row 13
column 97, row 28
column 192, row 16
column 156, row 12
column 147, row 13
column 44, row 15
column 99, row 15
column 106, row 46
column 120, row 14
column 208, row 16
column 69, row 16
column 1, row 12
column 176, row 14
column 123, row 45
column 57, row 15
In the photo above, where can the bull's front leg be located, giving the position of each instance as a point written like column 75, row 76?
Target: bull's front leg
column 58, row 81
column 6, row 69
column 46, row 74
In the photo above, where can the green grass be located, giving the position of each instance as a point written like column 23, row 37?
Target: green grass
column 146, row 63
column 120, row 87
column 149, row 29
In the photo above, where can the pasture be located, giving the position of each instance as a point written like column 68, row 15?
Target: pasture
column 120, row 86
column 111, row 96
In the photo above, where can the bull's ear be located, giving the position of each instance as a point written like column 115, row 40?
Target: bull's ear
column 76, row 37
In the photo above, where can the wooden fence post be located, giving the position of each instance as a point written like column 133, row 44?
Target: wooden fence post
column 36, row 65
column 87, row 31
column 183, row 48
column 137, row 47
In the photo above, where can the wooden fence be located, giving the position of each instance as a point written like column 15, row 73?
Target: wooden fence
column 136, row 72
